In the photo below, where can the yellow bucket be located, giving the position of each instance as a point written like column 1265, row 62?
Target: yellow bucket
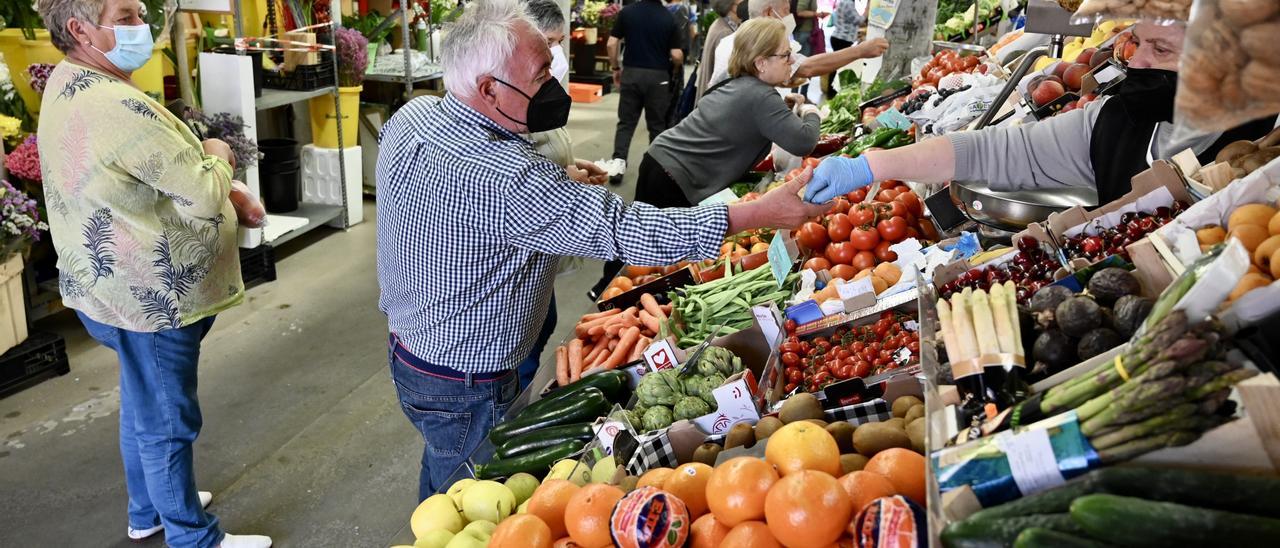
column 324, row 121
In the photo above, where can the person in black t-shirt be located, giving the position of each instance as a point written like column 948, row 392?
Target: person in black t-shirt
column 646, row 32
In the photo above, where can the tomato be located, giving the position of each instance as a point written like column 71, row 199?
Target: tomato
column 858, row 346
column 886, row 355
column 839, row 205
column 864, row 260
column 838, row 227
column 812, row 236
column 790, row 359
column 862, row 214
column 881, row 362
column 844, row 372
column 841, row 253
column 790, row 387
column 844, row 272
column 817, row 264
column 893, row 229
column 795, row 375
column 857, row 196
column 890, row 343
column 909, row 199
column 790, row 326
column 886, row 195
column 864, row 238
column 861, row 368
column 810, row 162
column 914, row 347
column 843, row 353
column 874, row 347
column 884, row 254
column 793, row 347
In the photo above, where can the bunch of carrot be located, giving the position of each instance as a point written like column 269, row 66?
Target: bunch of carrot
column 606, row 340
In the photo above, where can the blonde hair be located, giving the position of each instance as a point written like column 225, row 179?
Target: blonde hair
column 754, row 39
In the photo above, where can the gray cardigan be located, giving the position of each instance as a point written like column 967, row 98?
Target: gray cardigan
column 728, row 133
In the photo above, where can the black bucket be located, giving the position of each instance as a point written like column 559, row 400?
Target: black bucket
column 280, row 174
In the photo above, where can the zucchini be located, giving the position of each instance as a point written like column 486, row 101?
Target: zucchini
column 585, row 407
column 1129, row 521
column 612, row 383
column 1039, row 537
column 999, row 533
column 536, row 462
column 1258, row 495
column 543, row 438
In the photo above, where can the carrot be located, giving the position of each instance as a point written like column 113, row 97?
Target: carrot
column 650, row 322
column 585, row 327
column 666, row 309
column 625, row 344
column 641, row 346
column 613, row 343
column 598, row 315
column 650, row 305
column 562, row 366
column 575, row 358
column 595, row 355
column 596, row 331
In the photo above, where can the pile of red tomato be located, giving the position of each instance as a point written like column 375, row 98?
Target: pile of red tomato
column 854, row 236
column 850, row 352
column 947, row 62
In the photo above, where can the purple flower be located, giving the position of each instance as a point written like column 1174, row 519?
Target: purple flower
column 39, row 73
column 353, row 56
column 19, row 220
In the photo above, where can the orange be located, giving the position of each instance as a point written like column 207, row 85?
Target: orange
column 521, row 531
column 654, row 478
column 750, row 534
column 803, row 446
column 588, row 513
column 808, row 508
column 689, row 484
column 736, row 490
column 864, row 487
column 905, row 470
column 565, row 542
column 549, row 501
column 707, row 532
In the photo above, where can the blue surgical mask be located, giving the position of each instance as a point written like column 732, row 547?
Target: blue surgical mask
column 133, row 47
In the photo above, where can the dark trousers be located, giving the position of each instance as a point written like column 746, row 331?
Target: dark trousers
column 656, row 188
column 646, row 90
column 836, row 45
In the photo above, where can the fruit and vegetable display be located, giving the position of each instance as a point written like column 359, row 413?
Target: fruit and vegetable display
column 632, row 277
column 842, row 109
column 983, row 338
column 850, row 352
column 1030, row 269
column 723, row 306
column 664, row 397
column 1238, row 159
column 606, row 340
column 1072, row 328
column 859, row 236
column 959, row 25
column 945, row 63
column 885, row 137
column 1067, row 77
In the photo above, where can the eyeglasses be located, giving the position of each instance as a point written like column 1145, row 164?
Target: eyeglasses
column 788, row 55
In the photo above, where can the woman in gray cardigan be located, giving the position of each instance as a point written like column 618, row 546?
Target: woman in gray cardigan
column 733, row 126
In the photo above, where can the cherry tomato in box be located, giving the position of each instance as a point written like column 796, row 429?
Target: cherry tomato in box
column 789, row 326
column 861, row 368
column 790, row 359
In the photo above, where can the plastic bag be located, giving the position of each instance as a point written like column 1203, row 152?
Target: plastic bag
column 249, row 210
column 1096, row 11
column 959, row 110
column 1230, row 70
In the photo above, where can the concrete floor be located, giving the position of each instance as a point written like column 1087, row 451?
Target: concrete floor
column 302, row 439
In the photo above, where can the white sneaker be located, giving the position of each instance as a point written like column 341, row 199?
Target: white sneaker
column 245, row 541
column 139, row 535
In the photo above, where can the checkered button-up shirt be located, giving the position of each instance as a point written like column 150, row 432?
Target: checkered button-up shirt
column 471, row 221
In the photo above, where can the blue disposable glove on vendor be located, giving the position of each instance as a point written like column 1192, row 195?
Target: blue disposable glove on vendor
column 837, row 176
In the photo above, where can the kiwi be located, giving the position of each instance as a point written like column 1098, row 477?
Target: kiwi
column 872, row 438
column 800, row 407
column 904, row 404
column 821, row 423
column 740, row 435
column 852, row 462
column 843, row 433
column 766, row 427
column 915, row 431
column 628, row 483
column 897, row 422
column 914, row 413
column 706, row 454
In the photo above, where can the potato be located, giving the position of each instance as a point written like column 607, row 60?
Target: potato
column 872, row 438
column 915, row 432
column 904, row 404
column 914, row 413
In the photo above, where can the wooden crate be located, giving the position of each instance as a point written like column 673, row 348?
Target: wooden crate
column 13, row 309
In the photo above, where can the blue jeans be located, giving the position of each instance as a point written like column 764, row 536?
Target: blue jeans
column 453, row 415
column 529, row 367
column 159, row 420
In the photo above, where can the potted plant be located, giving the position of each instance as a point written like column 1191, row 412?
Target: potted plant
column 353, row 59
column 590, row 17
column 20, row 226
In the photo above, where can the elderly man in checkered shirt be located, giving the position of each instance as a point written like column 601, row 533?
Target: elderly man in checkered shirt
column 471, row 222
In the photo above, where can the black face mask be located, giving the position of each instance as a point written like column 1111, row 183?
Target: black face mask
column 743, row 15
column 1148, row 94
column 548, row 108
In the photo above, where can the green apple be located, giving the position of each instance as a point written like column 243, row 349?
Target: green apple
column 438, row 538
column 522, row 485
column 572, row 470
column 457, row 488
column 487, row 500
column 482, row 527
column 437, row 512
column 604, row 470
column 468, row 539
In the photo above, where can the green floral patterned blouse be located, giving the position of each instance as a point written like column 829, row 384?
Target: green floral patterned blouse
column 140, row 216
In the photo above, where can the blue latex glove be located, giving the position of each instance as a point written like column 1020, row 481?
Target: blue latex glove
column 837, row 176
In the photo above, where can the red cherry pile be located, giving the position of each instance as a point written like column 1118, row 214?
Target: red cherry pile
column 1133, row 226
column 1031, row 269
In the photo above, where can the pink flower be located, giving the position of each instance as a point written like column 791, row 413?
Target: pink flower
column 24, row 161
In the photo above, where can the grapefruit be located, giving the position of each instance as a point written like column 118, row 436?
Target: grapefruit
column 587, row 515
column 803, row 446
column 808, row 508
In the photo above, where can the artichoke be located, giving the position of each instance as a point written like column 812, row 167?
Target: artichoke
column 709, row 384
column 717, row 360
column 657, row 418
column 691, row 407
column 656, row 388
column 693, row 385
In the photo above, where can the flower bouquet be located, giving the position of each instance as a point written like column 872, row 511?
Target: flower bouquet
column 20, row 223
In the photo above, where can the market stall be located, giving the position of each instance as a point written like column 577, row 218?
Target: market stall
column 921, row 365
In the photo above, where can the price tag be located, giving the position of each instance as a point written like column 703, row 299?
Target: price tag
column 1107, row 74
column 725, row 196
column 606, row 432
column 855, row 288
column 1031, row 460
column 881, row 13
column 781, row 257
column 770, row 321
column 663, row 355
column 894, row 119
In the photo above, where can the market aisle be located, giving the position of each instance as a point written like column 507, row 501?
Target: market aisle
column 303, row 439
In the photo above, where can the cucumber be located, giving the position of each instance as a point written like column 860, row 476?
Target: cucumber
column 1129, row 521
column 612, row 383
column 1258, row 495
column 536, row 462
column 543, row 438
column 1039, row 537
column 998, row 533
column 585, row 407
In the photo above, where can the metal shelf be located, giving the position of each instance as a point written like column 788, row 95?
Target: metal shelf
column 397, row 79
column 298, row 222
column 272, row 98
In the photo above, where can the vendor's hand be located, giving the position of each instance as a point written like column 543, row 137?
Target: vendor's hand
column 785, row 208
column 874, row 47
column 836, row 176
column 793, row 100
column 249, row 210
column 219, row 148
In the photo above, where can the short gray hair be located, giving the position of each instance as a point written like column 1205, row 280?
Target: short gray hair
column 755, row 8
column 56, row 13
column 480, row 42
column 722, row 7
column 546, row 14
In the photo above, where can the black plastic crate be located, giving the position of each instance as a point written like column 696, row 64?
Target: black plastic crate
column 303, row 77
column 258, row 265
column 42, row 353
